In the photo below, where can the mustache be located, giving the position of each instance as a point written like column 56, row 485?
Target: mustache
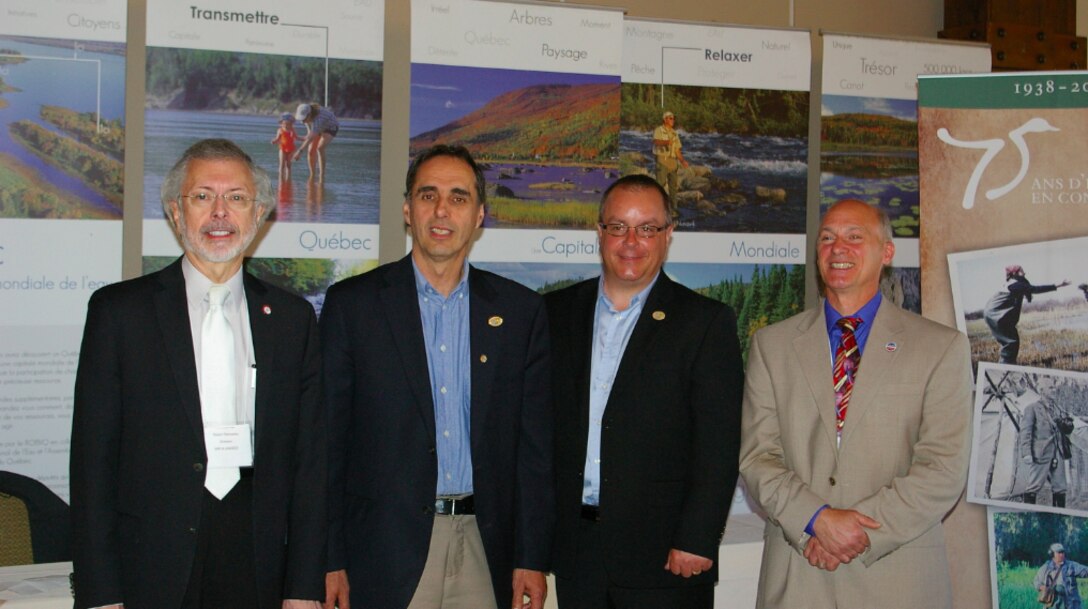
column 219, row 225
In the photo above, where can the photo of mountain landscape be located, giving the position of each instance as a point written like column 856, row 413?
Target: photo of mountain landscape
column 61, row 128
column 547, row 141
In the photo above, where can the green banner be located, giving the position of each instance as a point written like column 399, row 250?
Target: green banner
column 1013, row 90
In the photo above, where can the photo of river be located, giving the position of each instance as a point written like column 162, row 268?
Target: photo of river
column 759, row 182
column 348, row 195
column 61, row 128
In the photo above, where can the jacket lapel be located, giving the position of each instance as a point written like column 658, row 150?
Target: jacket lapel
column 813, row 351
column 172, row 311
column 876, row 361
column 583, row 308
column 401, row 306
column 486, row 331
column 262, row 329
column 652, row 319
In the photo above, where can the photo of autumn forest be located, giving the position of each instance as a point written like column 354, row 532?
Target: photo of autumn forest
column 547, row 141
column 869, row 151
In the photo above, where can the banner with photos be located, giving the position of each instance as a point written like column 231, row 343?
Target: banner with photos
column 62, row 134
column 299, row 88
column 869, row 133
column 533, row 91
column 1003, row 197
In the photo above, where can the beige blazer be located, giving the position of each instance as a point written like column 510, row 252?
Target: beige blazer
column 902, row 460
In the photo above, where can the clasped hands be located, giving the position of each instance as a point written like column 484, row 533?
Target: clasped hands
column 840, row 538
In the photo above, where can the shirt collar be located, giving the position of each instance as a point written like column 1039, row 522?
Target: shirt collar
column 637, row 301
column 867, row 313
column 197, row 284
column 424, row 288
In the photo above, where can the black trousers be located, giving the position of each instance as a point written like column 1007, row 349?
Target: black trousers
column 592, row 588
column 224, row 575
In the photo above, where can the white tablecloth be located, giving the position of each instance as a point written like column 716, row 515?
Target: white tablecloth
column 36, row 586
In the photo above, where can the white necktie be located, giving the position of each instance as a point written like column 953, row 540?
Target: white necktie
column 217, row 380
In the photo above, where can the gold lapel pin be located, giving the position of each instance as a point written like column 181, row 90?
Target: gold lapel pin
column 495, row 321
column 658, row 315
column 483, row 359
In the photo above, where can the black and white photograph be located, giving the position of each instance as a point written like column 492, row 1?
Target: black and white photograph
column 1024, row 304
column 1031, row 439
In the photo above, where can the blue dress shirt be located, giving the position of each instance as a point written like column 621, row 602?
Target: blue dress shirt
column 867, row 314
column 611, row 331
column 446, row 337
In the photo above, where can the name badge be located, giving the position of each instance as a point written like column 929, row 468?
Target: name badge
column 229, row 446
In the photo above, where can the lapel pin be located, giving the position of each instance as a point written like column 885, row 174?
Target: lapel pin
column 483, row 359
column 658, row 315
column 891, row 347
column 495, row 321
column 267, row 309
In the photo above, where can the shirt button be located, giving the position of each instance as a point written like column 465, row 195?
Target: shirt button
column 442, row 348
column 449, row 477
column 442, row 390
column 446, row 433
column 198, row 467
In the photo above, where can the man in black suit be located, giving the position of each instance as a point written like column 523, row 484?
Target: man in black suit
column 437, row 383
column 647, row 388
column 198, row 456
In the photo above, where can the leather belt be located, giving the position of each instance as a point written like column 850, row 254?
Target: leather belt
column 448, row 506
column 591, row 512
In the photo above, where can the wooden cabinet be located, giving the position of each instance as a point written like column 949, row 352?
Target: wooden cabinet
column 1023, row 34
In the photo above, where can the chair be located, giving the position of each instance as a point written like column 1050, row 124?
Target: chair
column 34, row 522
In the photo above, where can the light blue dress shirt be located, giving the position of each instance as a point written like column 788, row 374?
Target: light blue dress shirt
column 446, row 337
column 611, row 331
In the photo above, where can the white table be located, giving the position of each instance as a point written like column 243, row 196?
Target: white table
column 42, row 586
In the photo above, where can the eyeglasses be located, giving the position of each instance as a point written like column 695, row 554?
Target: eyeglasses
column 619, row 229
column 237, row 201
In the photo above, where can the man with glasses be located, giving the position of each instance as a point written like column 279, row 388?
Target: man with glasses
column 647, row 387
column 198, row 445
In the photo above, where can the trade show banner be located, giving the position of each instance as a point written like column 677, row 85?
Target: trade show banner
column 299, row 88
column 869, row 133
column 62, row 97
column 533, row 91
column 719, row 116
column 1004, row 197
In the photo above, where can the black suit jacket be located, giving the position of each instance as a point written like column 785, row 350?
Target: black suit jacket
column 383, row 466
column 138, row 460
column 670, row 434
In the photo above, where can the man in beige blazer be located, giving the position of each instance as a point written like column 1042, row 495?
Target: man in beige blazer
column 854, row 509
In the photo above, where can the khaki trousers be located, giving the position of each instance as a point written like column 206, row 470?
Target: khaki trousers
column 456, row 575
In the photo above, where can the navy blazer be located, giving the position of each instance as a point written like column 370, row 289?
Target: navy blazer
column 670, row 436
column 383, row 467
column 138, row 459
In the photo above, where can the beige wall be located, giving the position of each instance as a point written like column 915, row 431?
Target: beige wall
column 916, row 19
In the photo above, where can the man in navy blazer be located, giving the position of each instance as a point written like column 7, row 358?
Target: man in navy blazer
column 647, row 386
column 437, row 384
column 147, row 531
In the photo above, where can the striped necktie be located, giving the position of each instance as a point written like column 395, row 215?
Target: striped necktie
column 847, row 358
